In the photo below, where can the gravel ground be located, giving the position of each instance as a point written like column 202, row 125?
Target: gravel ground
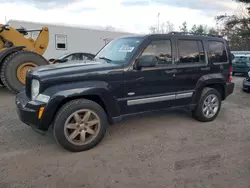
column 167, row 149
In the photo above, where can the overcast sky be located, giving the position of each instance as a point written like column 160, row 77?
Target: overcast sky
column 127, row 15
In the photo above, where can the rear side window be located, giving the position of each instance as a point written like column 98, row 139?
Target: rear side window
column 191, row 52
column 217, row 52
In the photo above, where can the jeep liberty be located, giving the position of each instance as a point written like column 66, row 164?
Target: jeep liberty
column 130, row 75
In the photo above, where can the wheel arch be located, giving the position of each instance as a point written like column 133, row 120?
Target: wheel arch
column 64, row 93
column 216, row 81
column 94, row 98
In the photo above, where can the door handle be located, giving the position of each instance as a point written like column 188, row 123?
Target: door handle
column 171, row 71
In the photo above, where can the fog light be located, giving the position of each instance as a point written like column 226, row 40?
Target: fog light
column 40, row 112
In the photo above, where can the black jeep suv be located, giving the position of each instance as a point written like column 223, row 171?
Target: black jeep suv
column 130, row 75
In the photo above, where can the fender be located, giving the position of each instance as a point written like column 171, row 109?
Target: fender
column 4, row 53
column 206, row 80
column 60, row 94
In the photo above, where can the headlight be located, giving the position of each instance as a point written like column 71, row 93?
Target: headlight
column 35, row 86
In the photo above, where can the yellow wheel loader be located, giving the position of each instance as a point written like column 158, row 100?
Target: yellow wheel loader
column 18, row 54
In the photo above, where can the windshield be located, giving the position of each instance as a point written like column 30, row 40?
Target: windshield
column 119, row 50
column 63, row 56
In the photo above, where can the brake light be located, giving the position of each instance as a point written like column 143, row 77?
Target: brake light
column 231, row 74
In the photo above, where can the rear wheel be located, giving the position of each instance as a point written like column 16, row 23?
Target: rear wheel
column 208, row 106
column 15, row 66
column 80, row 125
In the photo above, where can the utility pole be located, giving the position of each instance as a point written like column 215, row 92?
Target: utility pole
column 158, row 22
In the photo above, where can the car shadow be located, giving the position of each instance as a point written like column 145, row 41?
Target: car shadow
column 4, row 91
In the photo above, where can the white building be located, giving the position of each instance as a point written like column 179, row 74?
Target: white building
column 68, row 39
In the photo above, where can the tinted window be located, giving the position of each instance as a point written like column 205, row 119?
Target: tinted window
column 191, row 51
column 161, row 49
column 217, row 52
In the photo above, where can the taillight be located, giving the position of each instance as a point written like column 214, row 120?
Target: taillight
column 231, row 74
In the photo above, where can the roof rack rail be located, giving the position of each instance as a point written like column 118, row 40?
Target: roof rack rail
column 189, row 33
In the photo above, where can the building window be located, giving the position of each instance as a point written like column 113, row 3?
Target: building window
column 191, row 51
column 61, row 42
column 217, row 52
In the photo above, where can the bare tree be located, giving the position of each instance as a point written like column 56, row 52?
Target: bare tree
column 183, row 27
column 165, row 27
column 152, row 29
column 242, row 11
column 169, row 27
column 109, row 28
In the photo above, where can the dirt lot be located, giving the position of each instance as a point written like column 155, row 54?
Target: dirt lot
column 160, row 150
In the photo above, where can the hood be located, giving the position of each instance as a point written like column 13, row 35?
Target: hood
column 68, row 64
column 71, row 69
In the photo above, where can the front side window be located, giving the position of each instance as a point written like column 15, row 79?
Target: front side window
column 161, row 49
column 119, row 50
column 191, row 51
column 217, row 52
column 77, row 57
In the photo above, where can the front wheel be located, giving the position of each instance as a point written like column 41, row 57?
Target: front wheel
column 80, row 125
column 209, row 105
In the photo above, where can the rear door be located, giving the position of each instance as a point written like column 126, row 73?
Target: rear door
column 192, row 64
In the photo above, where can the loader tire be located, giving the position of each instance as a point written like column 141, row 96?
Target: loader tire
column 15, row 66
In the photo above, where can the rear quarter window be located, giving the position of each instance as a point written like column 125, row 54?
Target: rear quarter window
column 217, row 52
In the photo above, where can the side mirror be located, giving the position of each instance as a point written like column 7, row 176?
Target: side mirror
column 146, row 61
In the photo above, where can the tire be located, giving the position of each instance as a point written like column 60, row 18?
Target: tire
column 9, row 76
column 62, row 135
column 198, row 111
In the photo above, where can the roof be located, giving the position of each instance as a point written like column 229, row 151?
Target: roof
column 66, row 25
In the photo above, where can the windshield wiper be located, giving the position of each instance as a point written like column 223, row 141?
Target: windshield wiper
column 107, row 59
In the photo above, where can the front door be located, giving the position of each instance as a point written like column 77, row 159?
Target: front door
column 151, row 88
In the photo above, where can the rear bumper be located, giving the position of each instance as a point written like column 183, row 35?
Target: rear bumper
column 241, row 70
column 229, row 88
column 28, row 111
column 246, row 85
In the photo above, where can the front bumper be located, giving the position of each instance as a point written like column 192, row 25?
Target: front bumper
column 246, row 85
column 28, row 111
column 229, row 89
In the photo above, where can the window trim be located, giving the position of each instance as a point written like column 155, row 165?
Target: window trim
column 66, row 41
column 217, row 63
column 197, row 64
column 162, row 65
